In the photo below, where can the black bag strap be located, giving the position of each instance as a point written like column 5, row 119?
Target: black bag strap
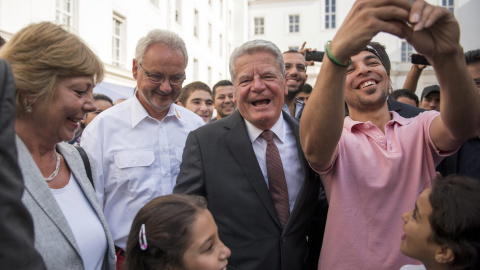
column 88, row 169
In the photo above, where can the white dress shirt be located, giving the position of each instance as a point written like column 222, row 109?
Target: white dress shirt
column 287, row 147
column 137, row 158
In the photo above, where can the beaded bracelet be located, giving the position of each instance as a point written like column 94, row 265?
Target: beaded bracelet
column 333, row 59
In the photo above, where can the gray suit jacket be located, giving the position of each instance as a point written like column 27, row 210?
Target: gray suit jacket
column 219, row 163
column 53, row 237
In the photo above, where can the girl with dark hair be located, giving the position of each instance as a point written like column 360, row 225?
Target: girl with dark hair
column 443, row 231
column 175, row 232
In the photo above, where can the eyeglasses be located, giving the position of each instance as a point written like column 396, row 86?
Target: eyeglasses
column 158, row 79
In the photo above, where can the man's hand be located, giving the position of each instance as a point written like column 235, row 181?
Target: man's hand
column 304, row 50
column 366, row 19
column 434, row 31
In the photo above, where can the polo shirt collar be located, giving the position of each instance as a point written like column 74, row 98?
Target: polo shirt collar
column 396, row 118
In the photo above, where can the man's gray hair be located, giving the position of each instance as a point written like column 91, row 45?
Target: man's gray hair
column 254, row 46
column 163, row 37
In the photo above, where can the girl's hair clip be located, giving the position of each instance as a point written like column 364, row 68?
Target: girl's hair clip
column 142, row 238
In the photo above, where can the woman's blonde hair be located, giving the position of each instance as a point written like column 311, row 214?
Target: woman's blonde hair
column 41, row 55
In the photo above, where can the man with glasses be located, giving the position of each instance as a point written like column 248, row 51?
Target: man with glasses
column 296, row 75
column 137, row 145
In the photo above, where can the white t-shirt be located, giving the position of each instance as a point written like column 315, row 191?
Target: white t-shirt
column 84, row 223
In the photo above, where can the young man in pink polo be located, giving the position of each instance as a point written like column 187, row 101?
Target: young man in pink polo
column 375, row 163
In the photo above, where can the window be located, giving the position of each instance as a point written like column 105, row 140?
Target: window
column 295, row 48
column 64, row 12
column 407, row 50
column 230, row 19
column 195, row 69
column 259, row 26
column 448, row 4
column 178, row 11
column 118, row 40
column 210, row 35
column 330, row 14
column 294, row 23
column 195, row 26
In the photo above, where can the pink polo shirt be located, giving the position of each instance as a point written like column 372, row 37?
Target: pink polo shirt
column 373, row 180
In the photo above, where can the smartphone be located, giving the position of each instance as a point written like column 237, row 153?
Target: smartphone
column 315, row 56
column 419, row 59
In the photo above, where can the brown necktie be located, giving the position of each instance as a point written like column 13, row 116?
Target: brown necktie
column 276, row 178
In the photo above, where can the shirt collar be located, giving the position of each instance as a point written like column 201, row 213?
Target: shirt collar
column 139, row 112
column 278, row 128
column 396, row 118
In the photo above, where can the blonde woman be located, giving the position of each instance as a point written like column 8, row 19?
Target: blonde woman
column 54, row 72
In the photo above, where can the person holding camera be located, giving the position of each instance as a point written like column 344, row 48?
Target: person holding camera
column 374, row 163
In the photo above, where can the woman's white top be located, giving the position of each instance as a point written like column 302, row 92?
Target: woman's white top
column 412, row 267
column 84, row 223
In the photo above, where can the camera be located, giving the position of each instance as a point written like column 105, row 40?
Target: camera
column 316, row 56
column 419, row 59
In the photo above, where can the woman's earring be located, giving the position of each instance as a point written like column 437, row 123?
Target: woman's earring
column 29, row 106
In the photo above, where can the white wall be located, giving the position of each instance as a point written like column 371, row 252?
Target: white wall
column 93, row 22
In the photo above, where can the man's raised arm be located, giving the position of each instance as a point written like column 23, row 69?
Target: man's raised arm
column 322, row 120
column 436, row 35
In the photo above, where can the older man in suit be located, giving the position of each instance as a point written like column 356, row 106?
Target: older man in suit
column 260, row 189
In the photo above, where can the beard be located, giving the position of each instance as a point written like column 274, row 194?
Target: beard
column 292, row 93
column 363, row 104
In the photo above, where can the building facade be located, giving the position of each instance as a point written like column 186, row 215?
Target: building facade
column 211, row 29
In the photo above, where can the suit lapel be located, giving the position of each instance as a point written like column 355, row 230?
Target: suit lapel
column 242, row 150
column 36, row 186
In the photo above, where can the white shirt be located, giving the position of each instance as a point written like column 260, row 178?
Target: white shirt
column 287, row 147
column 84, row 223
column 137, row 158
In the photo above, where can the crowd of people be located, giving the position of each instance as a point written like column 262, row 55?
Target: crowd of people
column 157, row 181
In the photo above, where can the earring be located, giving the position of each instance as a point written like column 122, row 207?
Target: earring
column 437, row 258
column 29, row 108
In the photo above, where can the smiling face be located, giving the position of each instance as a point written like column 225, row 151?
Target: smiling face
column 259, row 89
column 206, row 251
column 158, row 61
column 367, row 83
column 62, row 117
column 415, row 242
column 201, row 103
column 224, row 101
column 296, row 72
